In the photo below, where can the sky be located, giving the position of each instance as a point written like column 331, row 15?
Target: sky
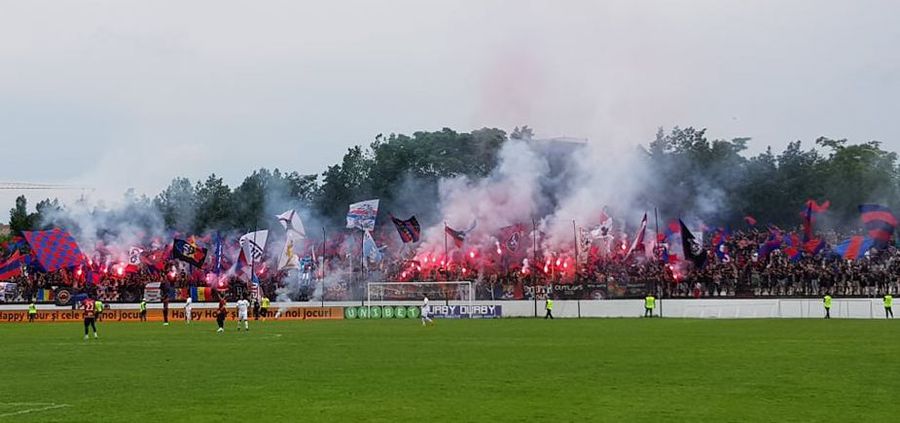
column 125, row 94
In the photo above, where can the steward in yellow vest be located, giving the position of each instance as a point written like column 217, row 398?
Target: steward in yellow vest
column 549, row 308
column 143, row 309
column 888, row 302
column 649, row 305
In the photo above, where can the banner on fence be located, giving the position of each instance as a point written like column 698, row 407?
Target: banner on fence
column 175, row 314
column 466, row 311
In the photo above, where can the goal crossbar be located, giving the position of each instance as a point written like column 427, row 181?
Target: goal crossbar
column 463, row 292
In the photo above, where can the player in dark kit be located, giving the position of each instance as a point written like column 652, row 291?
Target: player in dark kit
column 165, row 301
column 220, row 315
column 89, row 316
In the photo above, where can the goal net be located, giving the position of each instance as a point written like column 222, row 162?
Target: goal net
column 453, row 293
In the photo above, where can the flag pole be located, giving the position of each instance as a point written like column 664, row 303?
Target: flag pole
column 575, row 240
column 362, row 255
column 252, row 267
column 534, row 264
column 322, row 280
column 445, row 240
column 656, row 250
column 656, row 236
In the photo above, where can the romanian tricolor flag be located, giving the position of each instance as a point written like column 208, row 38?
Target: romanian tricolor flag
column 201, row 294
column 44, row 296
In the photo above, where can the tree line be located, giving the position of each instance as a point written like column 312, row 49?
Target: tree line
column 713, row 179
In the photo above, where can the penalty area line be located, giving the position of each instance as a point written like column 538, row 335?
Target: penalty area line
column 46, row 407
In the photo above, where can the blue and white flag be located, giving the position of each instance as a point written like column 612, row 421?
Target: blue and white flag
column 362, row 215
column 371, row 251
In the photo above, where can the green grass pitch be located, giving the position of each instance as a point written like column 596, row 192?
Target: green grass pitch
column 614, row 370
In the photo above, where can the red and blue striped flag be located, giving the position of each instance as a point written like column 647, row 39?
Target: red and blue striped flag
column 12, row 267
column 855, row 247
column 879, row 221
column 409, row 229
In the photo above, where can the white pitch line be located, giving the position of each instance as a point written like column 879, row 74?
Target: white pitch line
column 49, row 406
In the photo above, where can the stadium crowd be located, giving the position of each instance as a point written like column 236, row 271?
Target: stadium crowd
column 735, row 267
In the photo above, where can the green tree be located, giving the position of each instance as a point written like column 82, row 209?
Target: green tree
column 19, row 218
column 856, row 174
column 177, row 204
column 213, row 199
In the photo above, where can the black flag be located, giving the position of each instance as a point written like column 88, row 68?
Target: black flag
column 693, row 251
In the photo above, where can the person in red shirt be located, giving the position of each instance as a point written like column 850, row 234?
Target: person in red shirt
column 89, row 316
column 220, row 315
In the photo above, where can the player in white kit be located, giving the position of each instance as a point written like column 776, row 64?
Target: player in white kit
column 187, row 310
column 424, row 312
column 242, row 307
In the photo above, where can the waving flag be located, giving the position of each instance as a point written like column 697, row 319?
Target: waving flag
column 253, row 245
column 292, row 224
column 817, row 208
column 134, row 259
column 459, row 237
column 294, row 234
column 54, row 249
column 362, row 215
column 512, row 238
column 879, row 221
column 854, row 248
column 188, row 252
column 409, row 229
column 693, row 251
column 720, row 237
column 813, row 246
column 12, row 267
column 288, row 259
column 750, row 220
column 371, row 251
column 217, row 255
column 773, row 242
column 638, row 238
column 156, row 259
column 242, row 267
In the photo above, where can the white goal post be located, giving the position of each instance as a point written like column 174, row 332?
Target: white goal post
column 412, row 293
